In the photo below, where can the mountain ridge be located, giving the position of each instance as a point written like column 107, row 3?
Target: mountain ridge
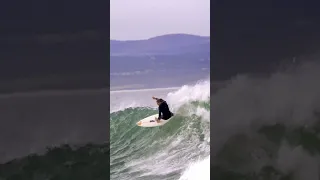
column 163, row 36
column 164, row 44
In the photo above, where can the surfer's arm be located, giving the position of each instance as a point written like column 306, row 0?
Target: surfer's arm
column 154, row 98
column 159, row 116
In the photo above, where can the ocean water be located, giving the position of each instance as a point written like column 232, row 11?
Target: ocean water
column 268, row 128
column 46, row 135
column 178, row 150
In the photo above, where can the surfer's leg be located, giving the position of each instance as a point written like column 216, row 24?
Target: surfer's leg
column 167, row 117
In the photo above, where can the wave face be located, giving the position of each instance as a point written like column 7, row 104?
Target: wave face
column 173, row 151
column 268, row 128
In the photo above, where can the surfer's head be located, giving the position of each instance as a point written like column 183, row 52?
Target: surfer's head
column 159, row 101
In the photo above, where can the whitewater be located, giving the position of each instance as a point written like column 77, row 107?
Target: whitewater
column 179, row 150
column 268, row 127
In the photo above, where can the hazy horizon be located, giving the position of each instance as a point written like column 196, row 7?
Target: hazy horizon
column 141, row 19
column 146, row 38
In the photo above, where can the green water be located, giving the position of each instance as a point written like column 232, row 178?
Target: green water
column 160, row 152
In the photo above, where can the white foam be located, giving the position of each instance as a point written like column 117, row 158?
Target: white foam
column 188, row 93
column 199, row 170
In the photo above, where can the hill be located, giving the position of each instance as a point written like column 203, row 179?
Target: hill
column 166, row 44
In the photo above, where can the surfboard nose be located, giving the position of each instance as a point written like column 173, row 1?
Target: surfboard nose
column 139, row 123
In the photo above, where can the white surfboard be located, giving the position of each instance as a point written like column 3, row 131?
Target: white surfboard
column 151, row 122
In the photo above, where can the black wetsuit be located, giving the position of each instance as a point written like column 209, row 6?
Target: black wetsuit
column 164, row 109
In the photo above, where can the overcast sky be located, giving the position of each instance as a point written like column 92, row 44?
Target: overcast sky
column 142, row 19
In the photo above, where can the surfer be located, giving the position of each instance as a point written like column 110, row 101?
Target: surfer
column 164, row 111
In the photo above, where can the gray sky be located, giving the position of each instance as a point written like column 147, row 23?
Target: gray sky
column 142, row 19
